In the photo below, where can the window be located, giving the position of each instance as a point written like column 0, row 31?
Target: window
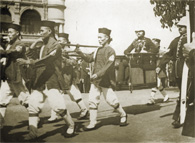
column 30, row 22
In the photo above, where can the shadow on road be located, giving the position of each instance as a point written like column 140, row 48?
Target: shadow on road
column 141, row 108
column 112, row 119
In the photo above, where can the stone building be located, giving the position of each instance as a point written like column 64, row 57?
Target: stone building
column 29, row 13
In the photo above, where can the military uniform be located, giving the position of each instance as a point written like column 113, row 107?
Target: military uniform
column 139, row 45
column 176, row 55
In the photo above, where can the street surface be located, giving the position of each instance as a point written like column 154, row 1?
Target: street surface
column 147, row 123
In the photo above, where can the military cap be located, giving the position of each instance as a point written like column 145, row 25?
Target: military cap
column 183, row 21
column 49, row 24
column 139, row 31
column 14, row 26
column 156, row 39
column 104, row 31
column 64, row 35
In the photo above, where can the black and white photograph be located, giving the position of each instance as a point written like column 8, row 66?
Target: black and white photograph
column 97, row 71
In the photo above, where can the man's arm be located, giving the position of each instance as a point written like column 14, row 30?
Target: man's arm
column 86, row 57
column 129, row 49
column 167, row 56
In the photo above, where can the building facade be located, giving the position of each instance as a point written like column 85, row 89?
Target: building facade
column 29, row 13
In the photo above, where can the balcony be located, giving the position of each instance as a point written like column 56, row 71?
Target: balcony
column 33, row 1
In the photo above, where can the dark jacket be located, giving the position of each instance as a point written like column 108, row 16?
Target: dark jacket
column 189, row 124
column 48, row 67
column 11, row 70
column 139, row 44
column 103, row 60
column 171, row 55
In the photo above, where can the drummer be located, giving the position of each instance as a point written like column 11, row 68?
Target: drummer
column 141, row 44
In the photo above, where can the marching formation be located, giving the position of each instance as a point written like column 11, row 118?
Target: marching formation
column 47, row 70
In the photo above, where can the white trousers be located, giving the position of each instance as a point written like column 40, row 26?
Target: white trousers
column 8, row 89
column 37, row 99
column 94, row 96
column 74, row 93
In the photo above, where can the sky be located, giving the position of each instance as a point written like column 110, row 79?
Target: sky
column 123, row 17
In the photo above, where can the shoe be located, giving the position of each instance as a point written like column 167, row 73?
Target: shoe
column 70, row 132
column 83, row 114
column 151, row 102
column 90, row 127
column 33, row 133
column 176, row 124
column 166, row 98
column 123, row 121
column 53, row 119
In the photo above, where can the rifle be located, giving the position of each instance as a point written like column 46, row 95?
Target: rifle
column 86, row 46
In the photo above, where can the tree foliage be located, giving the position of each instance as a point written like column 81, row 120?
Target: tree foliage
column 169, row 11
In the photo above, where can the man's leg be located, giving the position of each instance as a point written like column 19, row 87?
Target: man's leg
column 53, row 116
column 112, row 100
column 57, row 103
column 162, row 90
column 5, row 97
column 76, row 95
column 36, row 102
column 152, row 96
column 176, row 114
column 94, row 100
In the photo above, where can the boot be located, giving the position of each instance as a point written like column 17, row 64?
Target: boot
column 123, row 116
column 166, row 97
column 151, row 101
column 33, row 131
column 84, row 111
column 71, row 125
column 93, row 120
column 53, row 117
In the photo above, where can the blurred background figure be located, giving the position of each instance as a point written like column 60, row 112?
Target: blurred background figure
column 161, row 77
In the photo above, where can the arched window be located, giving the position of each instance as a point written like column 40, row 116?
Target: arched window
column 30, row 22
column 5, row 16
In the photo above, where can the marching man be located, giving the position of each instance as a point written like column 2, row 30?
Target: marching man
column 68, row 73
column 102, row 79
column 12, row 83
column 48, row 81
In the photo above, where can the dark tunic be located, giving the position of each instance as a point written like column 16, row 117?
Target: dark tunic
column 48, row 67
column 103, row 59
column 189, row 123
column 11, row 70
column 172, row 55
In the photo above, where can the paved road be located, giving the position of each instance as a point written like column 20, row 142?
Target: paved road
column 146, row 123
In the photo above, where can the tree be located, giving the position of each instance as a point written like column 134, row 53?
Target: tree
column 169, row 11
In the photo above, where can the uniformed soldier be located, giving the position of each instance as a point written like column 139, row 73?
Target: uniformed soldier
column 69, row 76
column 12, row 83
column 103, row 78
column 48, row 81
column 160, row 79
column 175, row 54
column 141, row 44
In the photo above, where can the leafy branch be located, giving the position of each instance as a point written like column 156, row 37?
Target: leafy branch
column 169, row 11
